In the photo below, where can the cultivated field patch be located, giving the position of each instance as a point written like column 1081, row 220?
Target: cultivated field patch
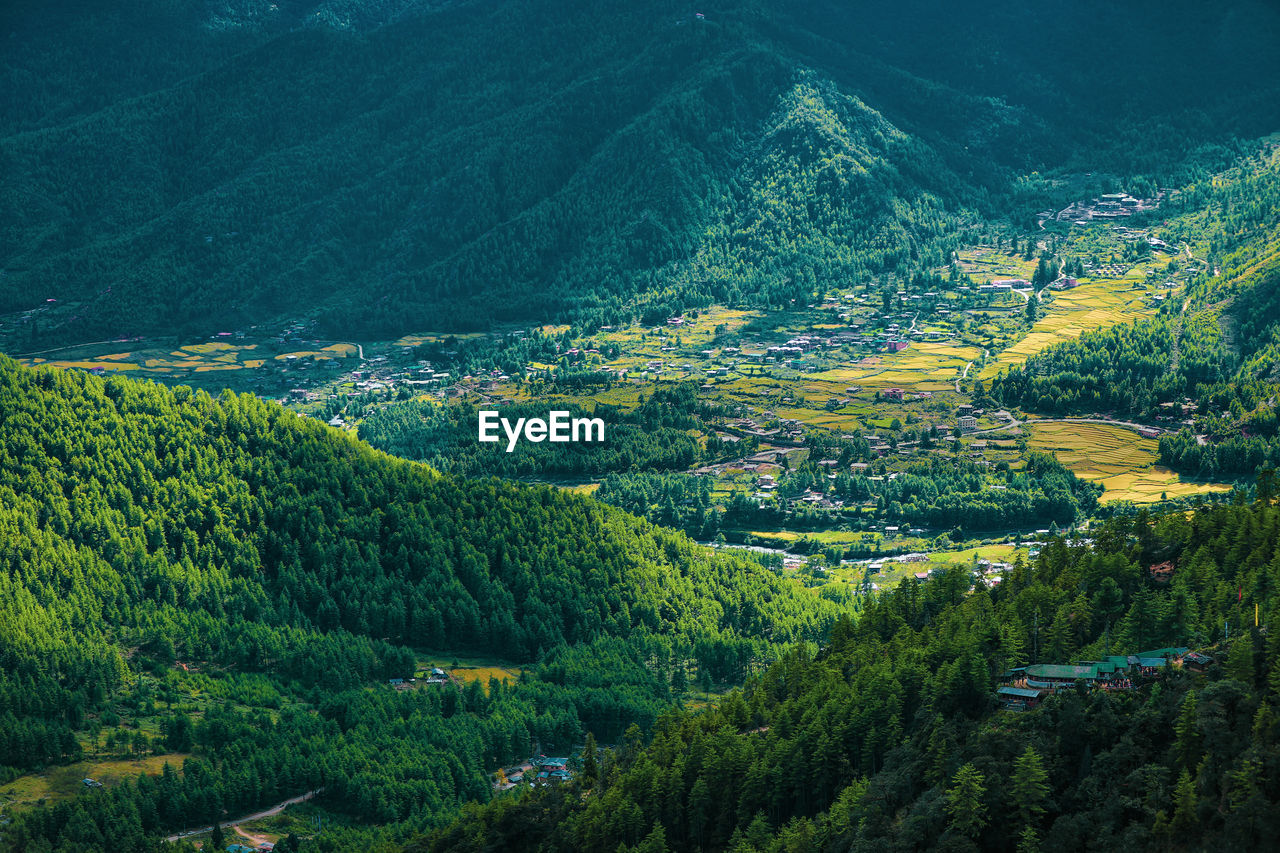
column 1118, row 458
column 1093, row 305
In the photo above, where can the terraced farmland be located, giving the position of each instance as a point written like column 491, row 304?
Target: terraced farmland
column 1094, row 305
column 1117, row 457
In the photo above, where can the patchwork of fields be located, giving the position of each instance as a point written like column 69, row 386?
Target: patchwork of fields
column 190, row 361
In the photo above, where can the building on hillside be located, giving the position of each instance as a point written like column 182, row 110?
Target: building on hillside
column 1018, row 698
column 967, row 423
column 1113, row 672
column 1196, row 661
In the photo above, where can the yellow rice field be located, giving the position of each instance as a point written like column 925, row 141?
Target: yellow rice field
column 1093, row 305
column 1118, row 458
column 482, row 674
column 89, row 365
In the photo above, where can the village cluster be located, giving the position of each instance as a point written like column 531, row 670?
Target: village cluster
column 1108, row 206
column 538, row 771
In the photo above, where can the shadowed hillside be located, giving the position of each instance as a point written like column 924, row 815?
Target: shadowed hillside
column 400, row 165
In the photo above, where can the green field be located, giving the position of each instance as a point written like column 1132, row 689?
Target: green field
column 63, row 782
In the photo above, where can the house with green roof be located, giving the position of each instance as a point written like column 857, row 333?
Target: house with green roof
column 1112, row 671
column 1018, row 698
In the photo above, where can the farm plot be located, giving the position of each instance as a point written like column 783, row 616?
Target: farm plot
column 924, row 366
column 434, row 338
column 482, row 674
column 1118, row 458
column 1095, row 305
column 103, row 363
column 331, row 351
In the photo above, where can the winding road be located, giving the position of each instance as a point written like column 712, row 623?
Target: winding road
column 234, row 824
column 968, row 365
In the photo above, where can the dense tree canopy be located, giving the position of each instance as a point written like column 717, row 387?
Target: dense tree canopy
column 146, row 526
column 603, row 162
column 888, row 738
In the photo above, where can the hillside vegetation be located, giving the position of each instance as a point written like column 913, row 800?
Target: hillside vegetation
column 390, row 166
column 146, row 526
column 1216, row 349
column 888, row 739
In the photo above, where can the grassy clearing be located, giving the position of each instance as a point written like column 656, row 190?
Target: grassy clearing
column 1003, row 552
column 823, row 537
column 479, row 668
column 300, row 819
column 60, row 783
column 484, row 673
column 435, row 338
column 1118, row 458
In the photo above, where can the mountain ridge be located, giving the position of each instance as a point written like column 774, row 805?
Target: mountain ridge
column 472, row 165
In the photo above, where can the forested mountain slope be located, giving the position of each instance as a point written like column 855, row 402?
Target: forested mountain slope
column 143, row 525
column 395, row 165
column 888, row 740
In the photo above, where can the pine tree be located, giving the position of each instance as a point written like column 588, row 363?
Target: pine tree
column 964, row 802
column 1029, row 786
column 1187, row 732
column 679, row 680
column 1240, row 660
column 1184, row 805
column 654, row 842
column 590, row 769
column 941, row 746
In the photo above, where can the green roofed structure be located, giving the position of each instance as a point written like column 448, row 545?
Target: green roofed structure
column 1106, row 672
column 1018, row 698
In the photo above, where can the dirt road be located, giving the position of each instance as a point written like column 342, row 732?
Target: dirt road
column 234, row 824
